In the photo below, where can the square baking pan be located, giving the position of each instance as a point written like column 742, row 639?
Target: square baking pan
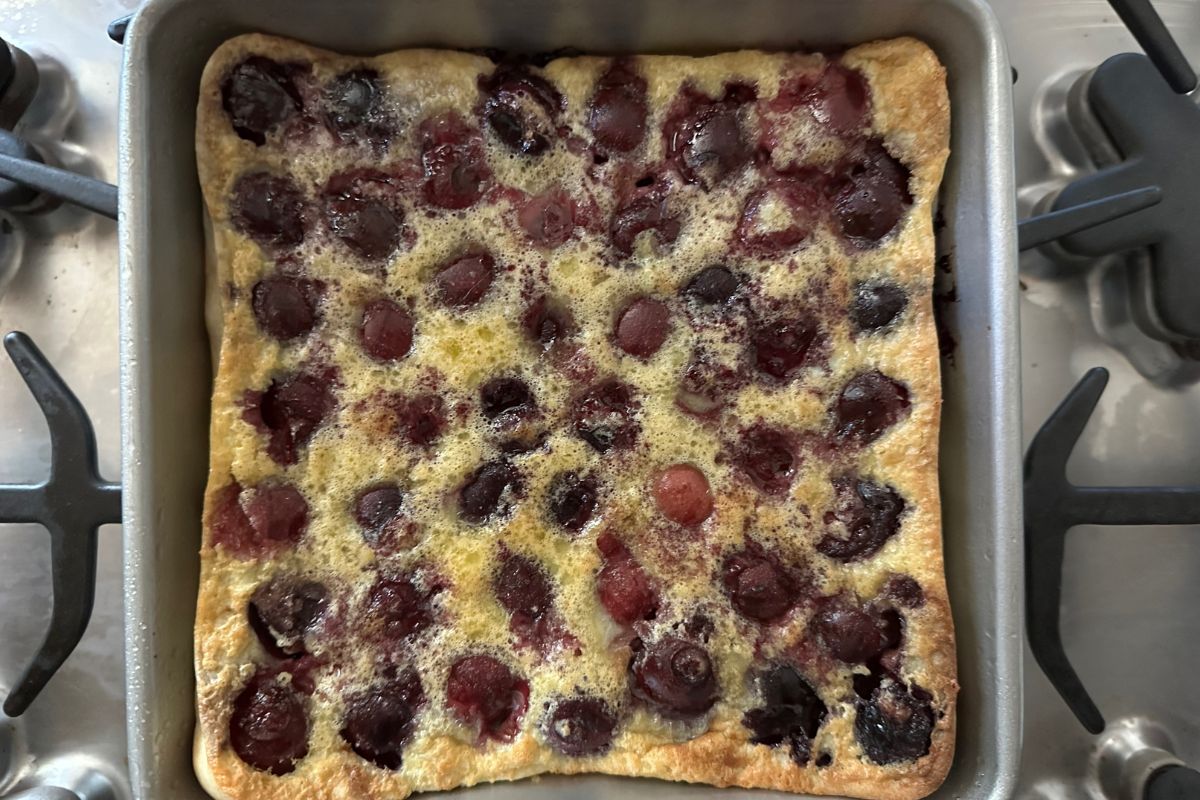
column 166, row 363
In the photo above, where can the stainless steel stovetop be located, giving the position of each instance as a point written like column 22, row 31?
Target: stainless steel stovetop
column 1127, row 592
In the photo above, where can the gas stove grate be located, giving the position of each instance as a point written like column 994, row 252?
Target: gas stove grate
column 1054, row 505
column 72, row 503
column 1134, row 116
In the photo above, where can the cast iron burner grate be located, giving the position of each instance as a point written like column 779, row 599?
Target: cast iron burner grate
column 1054, row 505
column 72, row 503
column 27, row 183
column 1139, row 125
column 1134, row 114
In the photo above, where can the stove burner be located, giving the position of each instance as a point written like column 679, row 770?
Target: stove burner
column 1054, row 505
column 27, row 183
column 1137, row 127
column 72, row 503
column 18, row 83
column 21, row 164
column 1153, row 131
column 15, row 195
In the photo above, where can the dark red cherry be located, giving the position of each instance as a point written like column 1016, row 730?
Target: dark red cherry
column 699, row 626
column 642, row 327
column 889, row 662
column 363, row 210
column 506, row 398
column 421, row 420
column 783, row 345
column 522, row 587
column 854, row 633
column 488, row 492
column 524, row 440
column 260, row 520
column 704, row 137
column 524, row 590
column 228, row 522
column 682, row 494
column 546, row 321
column 840, row 100
column 758, row 587
column 465, row 280
column 260, row 95
column 706, row 386
column 270, row 209
column 580, row 726
column 869, row 515
column 791, row 713
column 782, row 215
column 894, row 724
column 379, row 512
column 482, row 691
column 278, row 514
column 379, row 720
column 572, row 500
column 268, row 728
column 904, row 590
column 285, row 307
column 399, row 606
column 767, row 457
column 675, row 677
column 290, row 411
column 604, row 416
column 617, row 110
column 350, row 98
column 713, row 285
column 714, row 147
column 876, row 304
column 520, row 108
column 624, row 589
column 867, row 406
column 453, row 160
column 548, row 219
column 386, row 330
column 378, row 506
column 870, row 196
column 356, row 108
column 647, row 214
column 302, row 670
column 283, row 610
column 836, row 97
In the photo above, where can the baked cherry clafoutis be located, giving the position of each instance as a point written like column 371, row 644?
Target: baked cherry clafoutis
column 570, row 416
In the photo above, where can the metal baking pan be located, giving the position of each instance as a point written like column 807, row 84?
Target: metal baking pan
column 166, row 362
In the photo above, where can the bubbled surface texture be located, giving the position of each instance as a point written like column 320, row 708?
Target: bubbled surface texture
column 572, row 416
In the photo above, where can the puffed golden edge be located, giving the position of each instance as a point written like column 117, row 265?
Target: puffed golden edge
column 914, row 121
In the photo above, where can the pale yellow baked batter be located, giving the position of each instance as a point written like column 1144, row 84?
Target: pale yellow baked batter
column 355, row 447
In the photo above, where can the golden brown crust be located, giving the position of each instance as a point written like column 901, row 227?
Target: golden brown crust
column 910, row 113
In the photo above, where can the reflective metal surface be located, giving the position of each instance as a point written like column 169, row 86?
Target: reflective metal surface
column 1127, row 592
column 58, row 282
column 1127, row 754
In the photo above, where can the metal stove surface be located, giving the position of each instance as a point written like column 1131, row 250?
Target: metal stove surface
column 64, row 294
column 1126, row 591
